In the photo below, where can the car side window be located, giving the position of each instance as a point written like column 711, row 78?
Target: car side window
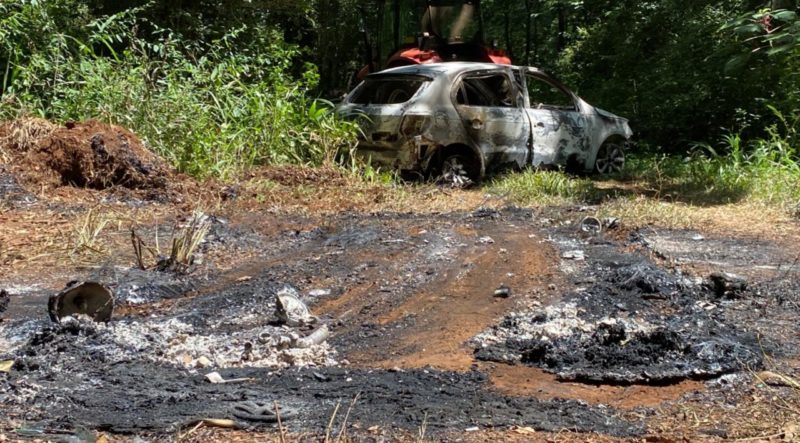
column 544, row 95
column 488, row 90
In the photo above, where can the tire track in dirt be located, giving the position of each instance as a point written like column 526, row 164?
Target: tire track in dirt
column 433, row 325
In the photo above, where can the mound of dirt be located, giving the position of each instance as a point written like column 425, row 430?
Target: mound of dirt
column 89, row 154
column 99, row 156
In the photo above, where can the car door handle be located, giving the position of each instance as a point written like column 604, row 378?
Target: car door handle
column 540, row 124
column 476, row 123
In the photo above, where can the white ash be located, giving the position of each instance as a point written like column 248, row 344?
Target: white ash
column 20, row 289
column 178, row 343
column 552, row 323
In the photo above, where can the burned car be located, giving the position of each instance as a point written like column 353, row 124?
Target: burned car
column 462, row 120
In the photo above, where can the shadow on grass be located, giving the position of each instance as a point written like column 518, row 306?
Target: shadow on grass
column 687, row 186
column 696, row 191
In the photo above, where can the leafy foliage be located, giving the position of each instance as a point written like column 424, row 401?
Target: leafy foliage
column 229, row 103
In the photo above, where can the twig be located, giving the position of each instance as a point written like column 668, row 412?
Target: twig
column 280, row 425
column 330, row 422
column 343, row 430
column 195, row 428
column 422, row 428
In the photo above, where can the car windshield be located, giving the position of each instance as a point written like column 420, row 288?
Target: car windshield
column 386, row 90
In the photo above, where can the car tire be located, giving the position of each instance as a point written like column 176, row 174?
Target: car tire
column 458, row 171
column 610, row 158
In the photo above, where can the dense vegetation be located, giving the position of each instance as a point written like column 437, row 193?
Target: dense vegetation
column 216, row 85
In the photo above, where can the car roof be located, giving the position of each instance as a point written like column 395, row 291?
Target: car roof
column 448, row 68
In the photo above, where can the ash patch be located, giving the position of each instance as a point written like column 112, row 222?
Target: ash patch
column 352, row 237
column 628, row 322
column 152, row 397
column 687, row 246
column 135, row 287
column 167, row 342
column 4, row 301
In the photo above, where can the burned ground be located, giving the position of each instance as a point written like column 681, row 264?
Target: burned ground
column 412, row 304
column 629, row 321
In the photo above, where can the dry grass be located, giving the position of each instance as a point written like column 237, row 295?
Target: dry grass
column 88, row 229
column 23, row 133
column 357, row 196
column 749, row 218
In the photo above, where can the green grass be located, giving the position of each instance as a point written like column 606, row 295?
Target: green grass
column 544, row 188
column 759, row 172
column 211, row 110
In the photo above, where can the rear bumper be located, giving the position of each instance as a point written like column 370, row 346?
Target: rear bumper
column 412, row 154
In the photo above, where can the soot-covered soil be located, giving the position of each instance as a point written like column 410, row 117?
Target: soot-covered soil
column 413, row 304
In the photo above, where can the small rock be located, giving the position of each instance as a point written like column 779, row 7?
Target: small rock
column 551, row 287
column 611, row 223
column 472, row 429
column 319, row 292
column 502, row 292
column 698, row 237
column 485, row 240
column 574, row 255
column 202, row 362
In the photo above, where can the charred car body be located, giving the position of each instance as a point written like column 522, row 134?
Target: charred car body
column 463, row 120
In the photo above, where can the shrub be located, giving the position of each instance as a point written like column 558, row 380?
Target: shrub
column 210, row 111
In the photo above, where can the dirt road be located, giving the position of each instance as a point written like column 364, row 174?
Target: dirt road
column 418, row 333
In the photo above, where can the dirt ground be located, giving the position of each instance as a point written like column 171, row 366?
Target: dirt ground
column 453, row 316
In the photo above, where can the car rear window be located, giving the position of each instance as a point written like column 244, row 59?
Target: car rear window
column 387, row 90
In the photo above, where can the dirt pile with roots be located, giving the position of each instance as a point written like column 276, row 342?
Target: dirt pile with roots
column 86, row 154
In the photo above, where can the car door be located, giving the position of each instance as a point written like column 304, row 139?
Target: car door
column 490, row 105
column 558, row 127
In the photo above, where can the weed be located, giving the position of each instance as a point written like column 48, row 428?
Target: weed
column 544, row 188
column 185, row 242
column 87, row 231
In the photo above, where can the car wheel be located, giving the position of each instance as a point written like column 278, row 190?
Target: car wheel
column 610, row 159
column 458, row 171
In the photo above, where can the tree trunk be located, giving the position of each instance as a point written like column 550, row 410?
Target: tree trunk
column 562, row 28
column 528, row 38
column 509, row 46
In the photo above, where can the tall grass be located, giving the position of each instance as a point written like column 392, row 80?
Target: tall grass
column 762, row 171
column 210, row 109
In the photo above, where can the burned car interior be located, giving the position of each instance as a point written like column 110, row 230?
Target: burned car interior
column 492, row 90
column 387, row 90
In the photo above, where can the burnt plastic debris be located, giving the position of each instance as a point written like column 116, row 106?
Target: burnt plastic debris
column 87, row 298
column 591, row 226
column 4, row 300
column 727, row 285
